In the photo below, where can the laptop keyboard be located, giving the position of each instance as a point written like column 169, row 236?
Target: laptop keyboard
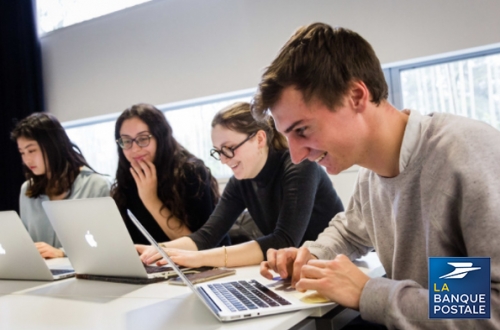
column 61, row 271
column 246, row 295
column 155, row 269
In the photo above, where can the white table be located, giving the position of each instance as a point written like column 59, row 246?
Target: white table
column 84, row 304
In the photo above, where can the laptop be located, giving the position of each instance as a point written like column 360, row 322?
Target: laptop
column 239, row 299
column 97, row 242
column 19, row 258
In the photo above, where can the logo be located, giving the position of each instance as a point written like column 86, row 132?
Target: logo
column 90, row 239
column 459, row 288
column 2, row 250
column 461, row 269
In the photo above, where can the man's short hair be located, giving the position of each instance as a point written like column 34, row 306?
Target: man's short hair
column 321, row 62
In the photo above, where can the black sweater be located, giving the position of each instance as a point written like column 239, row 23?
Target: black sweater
column 290, row 203
column 198, row 199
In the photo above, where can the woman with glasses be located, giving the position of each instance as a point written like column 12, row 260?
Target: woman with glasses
column 168, row 189
column 55, row 169
column 290, row 203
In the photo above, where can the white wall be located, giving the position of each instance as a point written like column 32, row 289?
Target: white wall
column 344, row 184
column 172, row 50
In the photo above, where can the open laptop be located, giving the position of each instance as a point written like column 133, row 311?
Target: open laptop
column 97, row 241
column 239, row 299
column 19, row 258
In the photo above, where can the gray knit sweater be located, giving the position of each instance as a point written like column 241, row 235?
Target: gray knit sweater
column 87, row 184
column 444, row 202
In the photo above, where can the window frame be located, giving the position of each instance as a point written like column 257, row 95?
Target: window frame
column 392, row 72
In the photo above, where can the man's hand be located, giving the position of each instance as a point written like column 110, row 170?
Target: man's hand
column 286, row 262
column 338, row 280
column 48, row 251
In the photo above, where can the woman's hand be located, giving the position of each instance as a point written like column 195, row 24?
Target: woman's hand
column 144, row 174
column 141, row 248
column 48, row 251
column 148, row 253
column 186, row 258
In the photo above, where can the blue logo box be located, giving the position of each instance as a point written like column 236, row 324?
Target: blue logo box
column 459, row 288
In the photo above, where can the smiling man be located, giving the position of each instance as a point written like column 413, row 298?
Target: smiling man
column 428, row 186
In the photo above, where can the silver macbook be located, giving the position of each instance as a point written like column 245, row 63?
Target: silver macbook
column 239, row 299
column 19, row 258
column 97, row 241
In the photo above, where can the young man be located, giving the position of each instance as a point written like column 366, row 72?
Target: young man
column 429, row 184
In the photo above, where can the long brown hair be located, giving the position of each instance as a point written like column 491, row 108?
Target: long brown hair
column 62, row 158
column 238, row 117
column 171, row 157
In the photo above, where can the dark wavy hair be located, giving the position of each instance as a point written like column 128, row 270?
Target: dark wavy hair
column 62, row 158
column 171, row 157
column 238, row 117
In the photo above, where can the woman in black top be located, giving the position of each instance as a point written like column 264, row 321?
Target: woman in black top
column 168, row 189
column 290, row 203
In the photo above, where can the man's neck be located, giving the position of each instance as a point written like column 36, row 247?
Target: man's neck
column 387, row 126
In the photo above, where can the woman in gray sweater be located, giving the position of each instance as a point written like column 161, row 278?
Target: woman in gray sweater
column 265, row 182
column 55, row 169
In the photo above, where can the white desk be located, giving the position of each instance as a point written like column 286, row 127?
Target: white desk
column 84, row 304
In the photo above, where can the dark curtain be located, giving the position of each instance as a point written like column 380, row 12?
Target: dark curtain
column 21, row 91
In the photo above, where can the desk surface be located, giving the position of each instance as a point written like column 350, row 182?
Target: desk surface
column 84, row 304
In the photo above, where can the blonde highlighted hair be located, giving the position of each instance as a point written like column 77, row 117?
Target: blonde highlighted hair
column 238, row 117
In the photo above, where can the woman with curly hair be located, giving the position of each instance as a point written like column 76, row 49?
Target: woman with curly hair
column 169, row 190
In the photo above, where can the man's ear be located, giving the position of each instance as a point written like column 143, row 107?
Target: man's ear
column 359, row 95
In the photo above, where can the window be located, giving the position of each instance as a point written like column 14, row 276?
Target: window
column 97, row 143
column 56, row 14
column 191, row 125
column 467, row 85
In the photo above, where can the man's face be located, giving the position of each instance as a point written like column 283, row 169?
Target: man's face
column 314, row 132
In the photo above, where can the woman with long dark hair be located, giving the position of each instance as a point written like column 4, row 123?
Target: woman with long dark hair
column 168, row 189
column 55, row 169
column 290, row 203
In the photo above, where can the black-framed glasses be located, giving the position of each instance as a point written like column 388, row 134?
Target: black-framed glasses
column 127, row 142
column 227, row 151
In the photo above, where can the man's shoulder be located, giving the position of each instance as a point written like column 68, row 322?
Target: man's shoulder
column 459, row 134
column 459, row 148
column 459, row 126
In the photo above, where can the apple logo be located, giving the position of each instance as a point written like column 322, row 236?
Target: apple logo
column 90, row 239
column 2, row 250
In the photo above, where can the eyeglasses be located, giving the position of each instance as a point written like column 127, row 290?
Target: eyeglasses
column 227, row 151
column 142, row 141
